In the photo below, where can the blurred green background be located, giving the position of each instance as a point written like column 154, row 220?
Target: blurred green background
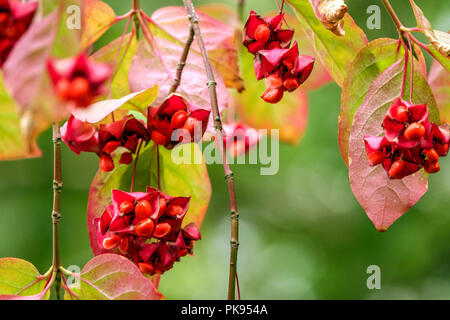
column 303, row 234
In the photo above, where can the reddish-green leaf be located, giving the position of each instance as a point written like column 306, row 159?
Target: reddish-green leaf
column 176, row 180
column 13, row 144
column 384, row 199
column 150, row 68
column 439, row 80
column 113, row 277
column 171, row 23
column 336, row 53
column 137, row 101
column 122, row 57
column 369, row 63
column 97, row 18
column 20, row 280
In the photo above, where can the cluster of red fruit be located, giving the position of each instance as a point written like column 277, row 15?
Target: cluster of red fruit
column 177, row 114
column 15, row 18
column 282, row 67
column 146, row 228
column 410, row 141
column 174, row 114
column 78, row 80
column 125, row 133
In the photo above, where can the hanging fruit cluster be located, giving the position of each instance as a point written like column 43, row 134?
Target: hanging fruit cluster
column 281, row 65
column 410, row 141
column 146, row 228
column 15, row 19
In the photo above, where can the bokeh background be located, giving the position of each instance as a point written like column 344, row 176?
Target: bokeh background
column 303, row 235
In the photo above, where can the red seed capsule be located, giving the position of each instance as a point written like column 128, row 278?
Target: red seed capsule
column 62, row 89
column 178, row 119
column 143, row 209
column 398, row 170
column 262, row 33
column 105, row 221
column 106, row 163
column 189, row 125
column 126, row 207
column 402, row 114
column 415, row 131
column 174, row 210
column 431, row 154
column 162, row 206
column 274, row 81
column 111, row 242
column 291, row 84
column 158, row 138
column 376, row 157
column 161, row 230
column 144, row 227
column 146, row 267
column 432, row 167
column 126, row 158
column 272, row 95
column 79, row 88
column 288, row 63
column 111, row 146
column 441, row 149
column 123, row 245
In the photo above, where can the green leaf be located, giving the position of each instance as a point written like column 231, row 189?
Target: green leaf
column 12, row 143
column 107, row 54
column 20, row 278
column 290, row 115
column 97, row 19
column 369, row 63
column 336, row 53
column 113, row 277
column 177, row 179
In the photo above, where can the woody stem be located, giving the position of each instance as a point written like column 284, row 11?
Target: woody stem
column 56, row 212
column 234, row 215
column 182, row 62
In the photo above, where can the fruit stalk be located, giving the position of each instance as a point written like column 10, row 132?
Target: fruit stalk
column 234, row 215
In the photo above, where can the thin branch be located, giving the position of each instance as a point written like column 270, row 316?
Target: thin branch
column 56, row 212
column 234, row 215
column 182, row 63
column 393, row 15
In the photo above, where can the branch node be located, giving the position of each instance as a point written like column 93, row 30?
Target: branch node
column 229, row 176
column 211, row 83
column 57, row 186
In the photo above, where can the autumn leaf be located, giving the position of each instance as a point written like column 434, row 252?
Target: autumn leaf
column 112, row 277
column 385, row 200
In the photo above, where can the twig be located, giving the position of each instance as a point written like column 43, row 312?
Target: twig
column 56, row 212
column 234, row 215
column 182, row 63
